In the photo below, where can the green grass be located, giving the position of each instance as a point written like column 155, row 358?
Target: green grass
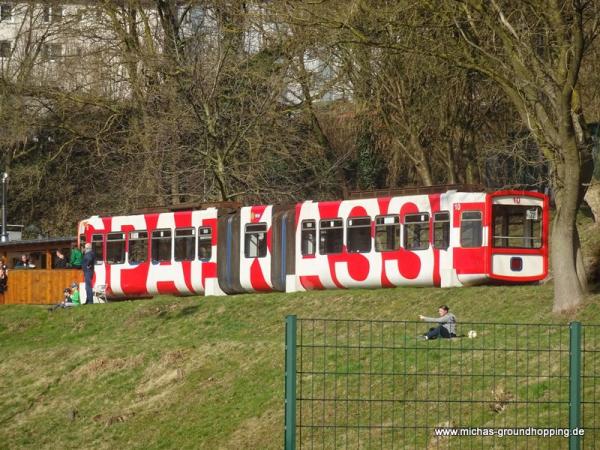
column 195, row 372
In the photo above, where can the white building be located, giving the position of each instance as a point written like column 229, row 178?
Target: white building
column 82, row 45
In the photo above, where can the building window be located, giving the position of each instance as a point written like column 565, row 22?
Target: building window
column 470, row 229
column 255, row 241
column 5, row 12
column 441, row 230
column 308, row 237
column 56, row 14
column 416, row 231
column 331, row 236
column 51, row 52
column 5, row 49
column 138, row 247
column 359, row 235
column 387, row 233
column 185, row 244
column 161, row 246
column 98, row 247
column 115, row 248
column 204, row 243
column 52, row 14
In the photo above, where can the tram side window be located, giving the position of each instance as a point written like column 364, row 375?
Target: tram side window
column 441, row 230
column 359, row 235
column 308, row 237
column 387, row 233
column 161, row 246
column 98, row 247
column 470, row 229
column 416, row 231
column 331, row 236
column 115, row 248
column 204, row 243
column 185, row 244
column 517, row 226
column 138, row 247
column 255, row 240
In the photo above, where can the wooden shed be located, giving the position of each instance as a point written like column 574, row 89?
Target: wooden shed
column 41, row 283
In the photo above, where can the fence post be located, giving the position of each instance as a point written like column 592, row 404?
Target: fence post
column 574, row 384
column 290, row 383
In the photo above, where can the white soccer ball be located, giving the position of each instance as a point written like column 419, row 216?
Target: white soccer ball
column 472, row 334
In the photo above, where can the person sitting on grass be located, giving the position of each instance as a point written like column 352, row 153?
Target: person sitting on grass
column 71, row 298
column 446, row 327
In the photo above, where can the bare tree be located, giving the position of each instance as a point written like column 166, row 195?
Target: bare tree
column 534, row 51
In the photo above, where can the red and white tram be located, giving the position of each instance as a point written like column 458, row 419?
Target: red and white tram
column 447, row 238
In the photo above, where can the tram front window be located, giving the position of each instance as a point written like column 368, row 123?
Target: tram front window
column 517, row 226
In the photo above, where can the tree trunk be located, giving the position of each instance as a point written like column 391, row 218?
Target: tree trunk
column 568, row 292
column 568, row 287
column 420, row 160
column 573, row 171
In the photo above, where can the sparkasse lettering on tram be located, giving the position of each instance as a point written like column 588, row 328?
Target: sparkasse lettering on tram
column 445, row 237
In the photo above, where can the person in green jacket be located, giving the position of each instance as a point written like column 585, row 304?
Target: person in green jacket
column 74, row 297
column 76, row 257
column 71, row 298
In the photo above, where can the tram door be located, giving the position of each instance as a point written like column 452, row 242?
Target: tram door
column 228, row 253
column 283, row 248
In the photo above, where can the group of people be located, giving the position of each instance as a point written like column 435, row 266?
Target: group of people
column 71, row 297
column 78, row 260
column 60, row 260
column 74, row 262
column 24, row 263
column 85, row 261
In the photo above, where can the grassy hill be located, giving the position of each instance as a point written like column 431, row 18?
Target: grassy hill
column 194, row 372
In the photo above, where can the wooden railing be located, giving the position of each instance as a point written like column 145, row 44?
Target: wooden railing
column 38, row 286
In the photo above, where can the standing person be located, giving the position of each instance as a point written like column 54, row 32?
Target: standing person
column 88, row 265
column 446, row 327
column 3, row 277
column 60, row 262
column 76, row 257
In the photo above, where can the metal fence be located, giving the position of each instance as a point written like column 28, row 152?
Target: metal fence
column 375, row 384
column 590, row 386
